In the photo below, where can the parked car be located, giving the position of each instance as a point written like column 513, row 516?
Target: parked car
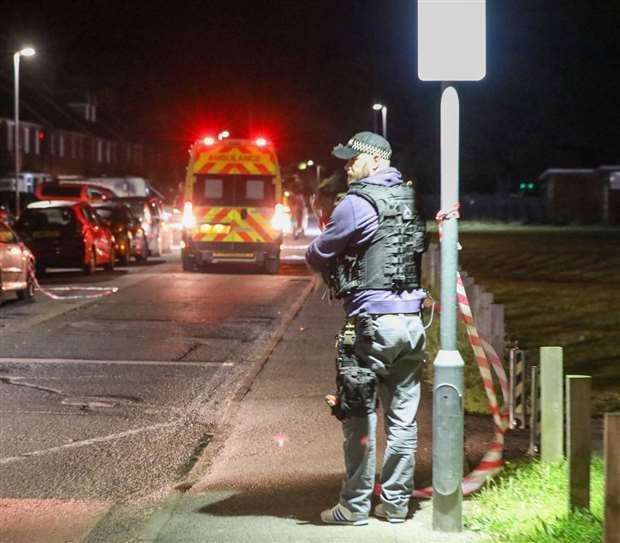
column 66, row 235
column 129, row 237
column 148, row 209
column 77, row 192
column 16, row 265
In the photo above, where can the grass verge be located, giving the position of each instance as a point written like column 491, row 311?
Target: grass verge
column 559, row 286
column 527, row 503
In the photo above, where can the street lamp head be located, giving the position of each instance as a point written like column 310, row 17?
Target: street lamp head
column 27, row 52
column 377, row 106
column 302, row 166
column 310, row 162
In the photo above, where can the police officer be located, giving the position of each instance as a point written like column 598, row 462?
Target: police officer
column 369, row 251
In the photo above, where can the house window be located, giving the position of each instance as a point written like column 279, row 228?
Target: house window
column 37, row 142
column 61, row 145
column 74, row 146
column 108, row 152
column 26, row 145
column 99, row 150
column 53, row 144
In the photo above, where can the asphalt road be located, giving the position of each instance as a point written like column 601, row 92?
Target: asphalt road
column 106, row 399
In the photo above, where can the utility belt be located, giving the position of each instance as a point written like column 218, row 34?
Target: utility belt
column 356, row 386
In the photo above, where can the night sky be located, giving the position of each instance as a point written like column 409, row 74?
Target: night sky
column 306, row 73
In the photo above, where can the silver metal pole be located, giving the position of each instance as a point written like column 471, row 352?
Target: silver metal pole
column 16, row 138
column 511, row 389
column 384, row 120
column 449, row 365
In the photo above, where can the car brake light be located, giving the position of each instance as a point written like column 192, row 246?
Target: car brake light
column 189, row 219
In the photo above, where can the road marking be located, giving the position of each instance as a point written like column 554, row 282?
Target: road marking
column 86, row 442
column 113, row 362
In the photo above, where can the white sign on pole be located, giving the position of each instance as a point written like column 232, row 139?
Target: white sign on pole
column 451, row 40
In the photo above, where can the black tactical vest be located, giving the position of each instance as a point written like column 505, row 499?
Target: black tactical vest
column 391, row 260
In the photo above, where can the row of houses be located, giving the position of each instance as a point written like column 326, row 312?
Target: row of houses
column 64, row 136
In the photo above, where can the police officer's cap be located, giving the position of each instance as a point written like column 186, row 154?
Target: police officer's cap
column 364, row 142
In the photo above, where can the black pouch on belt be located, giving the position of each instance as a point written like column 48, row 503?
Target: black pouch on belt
column 356, row 387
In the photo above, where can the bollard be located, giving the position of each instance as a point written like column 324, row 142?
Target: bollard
column 516, row 406
column 519, row 409
column 611, row 529
column 551, row 404
column 578, row 439
column 534, row 412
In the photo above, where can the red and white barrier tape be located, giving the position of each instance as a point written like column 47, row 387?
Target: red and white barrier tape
column 101, row 291
column 486, row 359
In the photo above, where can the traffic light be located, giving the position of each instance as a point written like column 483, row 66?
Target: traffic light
column 528, row 188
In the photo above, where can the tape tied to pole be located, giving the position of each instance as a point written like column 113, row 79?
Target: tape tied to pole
column 443, row 215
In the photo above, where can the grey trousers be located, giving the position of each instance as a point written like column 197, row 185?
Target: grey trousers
column 396, row 355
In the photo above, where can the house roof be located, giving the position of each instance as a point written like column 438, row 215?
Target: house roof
column 37, row 104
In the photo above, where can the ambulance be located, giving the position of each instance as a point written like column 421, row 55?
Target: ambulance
column 233, row 211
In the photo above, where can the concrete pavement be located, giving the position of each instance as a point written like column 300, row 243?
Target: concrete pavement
column 281, row 462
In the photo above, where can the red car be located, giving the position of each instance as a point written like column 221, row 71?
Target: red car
column 66, row 235
column 72, row 192
column 16, row 265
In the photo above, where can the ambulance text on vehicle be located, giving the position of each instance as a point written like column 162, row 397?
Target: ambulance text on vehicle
column 233, row 210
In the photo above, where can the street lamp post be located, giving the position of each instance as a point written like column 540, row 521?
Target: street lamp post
column 383, row 109
column 449, row 52
column 25, row 52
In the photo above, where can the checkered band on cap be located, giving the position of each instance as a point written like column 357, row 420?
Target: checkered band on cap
column 369, row 149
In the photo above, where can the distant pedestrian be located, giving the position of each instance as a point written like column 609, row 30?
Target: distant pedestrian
column 368, row 254
column 297, row 203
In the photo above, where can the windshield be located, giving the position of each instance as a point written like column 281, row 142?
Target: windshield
column 234, row 190
column 62, row 190
column 137, row 208
column 53, row 217
column 114, row 214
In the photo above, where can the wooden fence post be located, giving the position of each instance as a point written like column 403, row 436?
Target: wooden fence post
column 497, row 329
column 578, row 439
column 435, row 271
column 484, row 318
column 611, row 533
column 475, row 301
column 551, row 404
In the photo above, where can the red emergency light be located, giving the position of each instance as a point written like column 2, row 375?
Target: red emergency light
column 261, row 142
column 208, row 140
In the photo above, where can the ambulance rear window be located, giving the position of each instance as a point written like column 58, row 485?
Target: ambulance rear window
column 235, row 190
column 255, row 189
column 214, row 188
